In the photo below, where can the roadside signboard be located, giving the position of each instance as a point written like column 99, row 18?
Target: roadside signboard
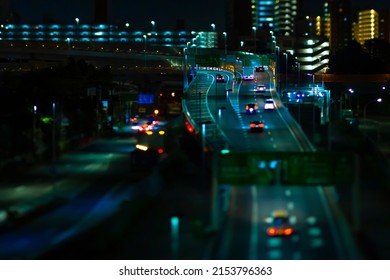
column 208, row 60
column 287, row 168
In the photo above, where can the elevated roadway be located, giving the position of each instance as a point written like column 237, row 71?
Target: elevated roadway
column 243, row 212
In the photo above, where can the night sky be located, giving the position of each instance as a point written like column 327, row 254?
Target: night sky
column 198, row 14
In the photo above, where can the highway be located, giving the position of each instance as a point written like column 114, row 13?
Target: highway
column 245, row 212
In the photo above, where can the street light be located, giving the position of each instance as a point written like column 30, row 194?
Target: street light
column 68, row 40
column 144, row 50
column 77, row 27
column 378, row 100
column 299, row 73
column 213, row 26
column 153, row 24
column 254, row 37
column 277, row 67
column 34, row 128
column 286, row 69
column 225, row 36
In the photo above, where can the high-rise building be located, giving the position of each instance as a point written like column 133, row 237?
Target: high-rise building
column 325, row 28
column 101, row 11
column 384, row 25
column 5, row 11
column 263, row 13
column 340, row 24
column 239, row 22
column 367, row 26
column 285, row 16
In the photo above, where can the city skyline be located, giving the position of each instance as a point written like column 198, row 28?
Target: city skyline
column 194, row 14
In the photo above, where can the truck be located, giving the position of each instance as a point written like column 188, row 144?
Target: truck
column 248, row 73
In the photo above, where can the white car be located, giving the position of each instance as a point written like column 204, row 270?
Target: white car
column 260, row 88
column 269, row 104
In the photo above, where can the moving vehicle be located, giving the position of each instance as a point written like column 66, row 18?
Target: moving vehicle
column 256, row 126
column 251, row 108
column 247, row 73
column 260, row 68
column 269, row 104
column 260, row 88
column 280, row 224
column 220, row 78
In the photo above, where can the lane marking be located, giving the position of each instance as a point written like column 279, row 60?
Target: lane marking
column 254, row 239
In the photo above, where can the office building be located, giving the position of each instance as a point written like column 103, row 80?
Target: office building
column 340, row 24
column 101, row 11
column 367, row 26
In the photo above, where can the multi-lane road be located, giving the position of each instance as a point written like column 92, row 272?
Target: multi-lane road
column 320, row 231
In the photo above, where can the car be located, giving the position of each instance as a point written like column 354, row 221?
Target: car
column 256, row 126
column 280, row 224
column 219, row 78
column 269, row 104
column 251, row 108
column 259, row 69
column 260, row 88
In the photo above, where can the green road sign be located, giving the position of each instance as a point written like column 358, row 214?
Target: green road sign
column 287, row 168
column 208, row 60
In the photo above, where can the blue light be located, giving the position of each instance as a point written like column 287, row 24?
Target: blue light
column 273, row 164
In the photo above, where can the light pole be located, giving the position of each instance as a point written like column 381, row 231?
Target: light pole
column 53, row 149
column 312, row 76
column 254, row 37
column 286, row 69
column 213, row 27
column 68, row 40
column 225, row 36
column 153, row 24
column 299, row 73
column 378, row 100
column 77, row 28
column 277, row 68
column 34, row 128
column 144, row 50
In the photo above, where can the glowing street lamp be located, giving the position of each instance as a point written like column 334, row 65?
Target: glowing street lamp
column 77, row 27
column 378, row 100
column 153, row 24
column 254, row 37
column 144, row 50
column 213, row 26
column 225, row 36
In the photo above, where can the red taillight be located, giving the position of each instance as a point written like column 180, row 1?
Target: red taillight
column 271, row 231
column 246, row 108
column 261, row 125
column 252, row 125
column 287, row 231
column 160, row 151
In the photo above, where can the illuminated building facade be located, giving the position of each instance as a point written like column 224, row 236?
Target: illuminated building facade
column 312, row 54
column 367, row 26
column 263, row 13
column 105, row 33
column 285, row 15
